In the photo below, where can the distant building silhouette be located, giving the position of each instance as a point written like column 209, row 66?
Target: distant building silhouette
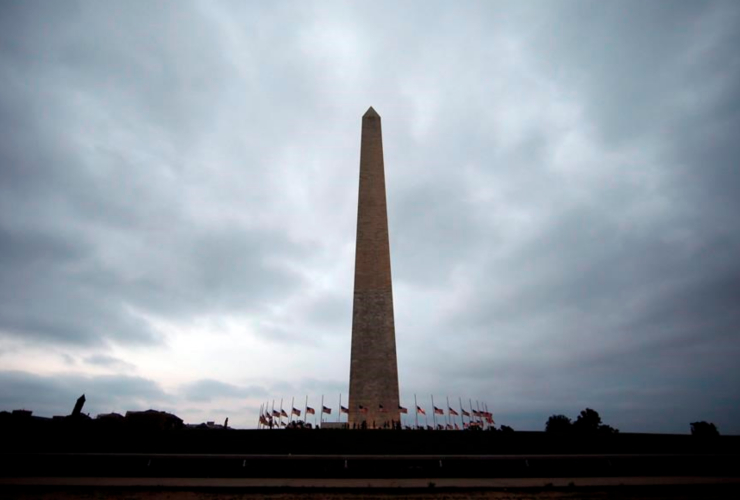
column 153, row 420
column 208, row 425
column 78, row 406
column 114, row 417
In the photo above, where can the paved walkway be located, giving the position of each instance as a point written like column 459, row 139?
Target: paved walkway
column 328, row 484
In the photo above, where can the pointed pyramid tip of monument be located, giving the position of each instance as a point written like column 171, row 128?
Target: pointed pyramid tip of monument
column 371, row 113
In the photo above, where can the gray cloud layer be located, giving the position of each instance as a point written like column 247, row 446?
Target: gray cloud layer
column 57, row 395
column 562, row 185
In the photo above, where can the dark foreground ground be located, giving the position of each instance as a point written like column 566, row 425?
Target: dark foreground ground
column 86, row 461
column 70, row 437
column 654, row 492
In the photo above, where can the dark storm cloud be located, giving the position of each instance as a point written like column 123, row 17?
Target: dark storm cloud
column 622, row 296
column 102, row 219
column 207, row 390
column 308, row 385
column 56, row 395
column 109, row 362
column 562, row 184
column 624, row 319
column 641, row 66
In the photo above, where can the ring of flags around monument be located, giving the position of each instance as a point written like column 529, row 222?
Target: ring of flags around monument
column 477, row 415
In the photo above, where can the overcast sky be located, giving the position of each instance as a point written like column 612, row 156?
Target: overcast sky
column 178, row 205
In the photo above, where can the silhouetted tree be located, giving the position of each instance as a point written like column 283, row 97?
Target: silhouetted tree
column 558, row 424
column 588, row 421
column 704, row 429
column 506, row 429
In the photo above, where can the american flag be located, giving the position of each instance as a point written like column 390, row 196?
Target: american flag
column 452, row 412
column 275, row 413
column 326, row 409
column 296, row 412
column 310, row 411
column 465, row 414
column 362, row 409
column 438, row 411
column 419, row 409
column 403, row 410
column 283, row 414
column 342, row 409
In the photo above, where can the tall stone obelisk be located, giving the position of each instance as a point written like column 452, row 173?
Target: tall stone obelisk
column 373, row 378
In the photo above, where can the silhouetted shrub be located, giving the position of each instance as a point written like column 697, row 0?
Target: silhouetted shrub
column 588, row 421
column 704, row 429
column 558, row 424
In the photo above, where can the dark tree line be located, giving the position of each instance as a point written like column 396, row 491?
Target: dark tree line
column 588, row 422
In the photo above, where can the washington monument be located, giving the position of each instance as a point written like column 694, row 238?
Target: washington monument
column 373, row 377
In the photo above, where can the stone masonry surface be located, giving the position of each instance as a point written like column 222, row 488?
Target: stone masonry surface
column 373, row 368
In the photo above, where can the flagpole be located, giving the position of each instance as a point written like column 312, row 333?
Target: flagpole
column 480, row 418
column 305, row 409
column 462, row 415
column 434, row 413
column 489, row 413
column 448, row 411
column 321, row 416
column 339, row 412
column 292, row 405
column 281, row 412
column 416, row 412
